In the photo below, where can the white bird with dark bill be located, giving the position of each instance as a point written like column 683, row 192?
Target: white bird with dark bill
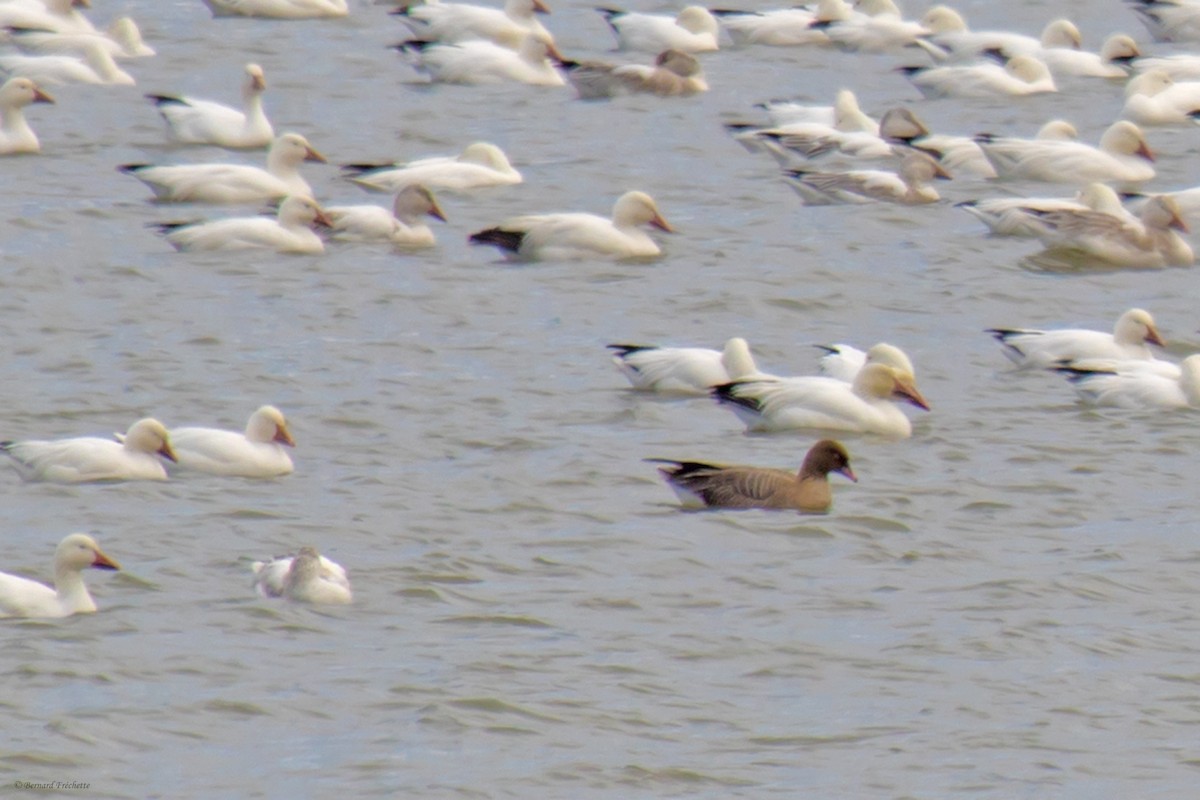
column 1137, row 385
column 573, row 236
column 1030, row 347
column 257, row 452
column 1123, row 156
column 693, row 30
column 22, row 597
column 232, row 183
column 279, row 9
column 290, row 231
column 480, row 166
column 459, row 22
column 194, row 121
column 88, row 459
column 403, row 225
column 684, row 370
column 307, row 577
column 15, row 134
column 815, row 401
column 478, row 62
column 909, row 186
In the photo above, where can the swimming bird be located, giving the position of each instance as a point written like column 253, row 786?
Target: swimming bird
column 816, row 401
column 684, row 370
column 194, row 121
column 1030, row 347
column 480, row 62
column 15, row 134
column 1123, row 156
column 95, row 65
column 673, row 74
column 290, row 231
column 1019, row 76
column 567, row 236
column 122, row 39
column 307, row 577
column 1137, row 385
column 780, row 27
column 701, row 484
column 257, row 452
column 481, row 165
column 1025, row 216
column 232, row 183
column 844, row 361
column 1151, row 240
column 403, row 225
column 909, row 186
column 22, row 597
column 87, row 459
column 460, row 22
column 692, row 30
column 1155, row 98
column 58, row 16
column 278, row 9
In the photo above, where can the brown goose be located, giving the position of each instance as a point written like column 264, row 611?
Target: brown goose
column 698, row 484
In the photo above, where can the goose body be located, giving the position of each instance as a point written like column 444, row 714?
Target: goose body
column 693, row 30
column 1134, row 386
column 403, row 225
column 88, row 459
column 22, row 597
column 1123, row 156
column 95, row 66
column 909, row 186
column 1030, row 347
column 194, row 121
column 257, row 452
column 278, row 9
column 481, row 165
column 306, row 577
column 459, row 22
column 290, row 231
column 684, row 370
column 479, row 62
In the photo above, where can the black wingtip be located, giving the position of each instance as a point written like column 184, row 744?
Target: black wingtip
column 131, row 169
column 505, row 240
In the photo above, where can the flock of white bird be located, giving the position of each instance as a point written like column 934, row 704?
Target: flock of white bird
column 859, row 392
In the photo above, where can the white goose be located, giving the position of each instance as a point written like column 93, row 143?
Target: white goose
column 1154, row 98
column 278, row 9
column 307, row 577
column 951, row 39
column 878, row 28
column 673, row 74
column 290, row 231
column 1123, row 156
column 95, row 66
column 783, row 27
column 403, row 225
column 1024, row 216
column 1019, row 76
column 693, row 30
column 684, row 370
column 91, row 458
column 232, row 183
column 15, row 134
column 479, row 166
column 460, row 22
column 122, row 39
column 1180, row 66
column 816, row 401
column 1170, row 20
column 1138, row 385
column 1150, row 241
column 844, row 361
column 1028, row 347
column 1113, row 60
column 194, row 121
column 58, row 16
column 257, row 452
column 478, row 62
column 570, row 236
column 909, row 186
column 22, row 597
column 844, row 114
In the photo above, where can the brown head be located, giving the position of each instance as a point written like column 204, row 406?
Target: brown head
column 827, row 456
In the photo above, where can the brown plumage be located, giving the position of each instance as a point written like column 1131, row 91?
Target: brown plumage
column 717, row 486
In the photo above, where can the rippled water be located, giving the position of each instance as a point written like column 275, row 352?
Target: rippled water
column 1003, row 607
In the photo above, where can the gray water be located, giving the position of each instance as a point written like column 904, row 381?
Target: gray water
column 1002, row 607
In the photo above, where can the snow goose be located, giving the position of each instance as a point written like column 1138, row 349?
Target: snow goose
column 817, row 401
column 878, row 28
column 479, row 62
column 232, row 183
column 568, row 236
column 291, row 231
column 256, row 452
column 673, row 74
column 808, row 135
column 1138, row 385
column 909, row 186
column 1150, row 241
column 1180, row 66
column 194, row 121
column 951, row 39
column 91, row 458
column 403, row 225
column 783, row 27
column 699, row 484
column 1123, row 156
column 844, row 114
column 479, row 166
column 22, row 597
column 1019, row 76
column 693, row 30
column 1028, row 347
column 278, row 9
column 1113, row 60
column 684, row 370
column 122, row 39
column 1154, row 98
column 307, row 577
column 96, row 66
column 58, row 16
column 15, row 134
column 1169, row 20
column 1023, row 216
column 844, row 361
column 459, row 22
column 957, row 154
